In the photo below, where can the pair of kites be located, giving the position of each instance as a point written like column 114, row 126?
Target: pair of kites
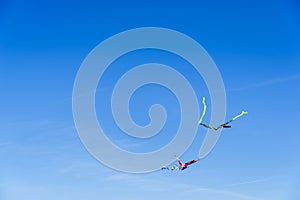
column 183, row 166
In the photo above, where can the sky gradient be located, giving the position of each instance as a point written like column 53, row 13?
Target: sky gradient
column 256, row 46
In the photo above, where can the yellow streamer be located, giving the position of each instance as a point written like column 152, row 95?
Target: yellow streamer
column 242, row 113
column 222, row 125
column 204, row 110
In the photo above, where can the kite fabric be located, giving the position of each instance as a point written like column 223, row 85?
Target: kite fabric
column 185, row 165
column 182, row 166
column 225, row 125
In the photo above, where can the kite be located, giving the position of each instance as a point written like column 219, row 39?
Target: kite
column 182, row 166
column 225, row 125
column 185, row 165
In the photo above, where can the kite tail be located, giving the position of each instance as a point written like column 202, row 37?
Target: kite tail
column 208, row 126
column 225, row 125
column 204, row 110
column 242, row 113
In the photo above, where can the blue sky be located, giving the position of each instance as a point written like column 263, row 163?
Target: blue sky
column 256, row 46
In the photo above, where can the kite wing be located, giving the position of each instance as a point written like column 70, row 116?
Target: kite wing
column 190, row 162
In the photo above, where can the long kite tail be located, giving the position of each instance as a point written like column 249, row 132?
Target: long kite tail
column 208, row 126
column 190, row 162
column 225, row 125
column 242, row 113
column 222, row 125
column 203, row 113
column 204, row 110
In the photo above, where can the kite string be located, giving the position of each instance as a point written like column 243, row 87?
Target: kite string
column 204, row 110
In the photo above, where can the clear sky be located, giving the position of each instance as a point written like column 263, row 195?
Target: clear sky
column 256, row 46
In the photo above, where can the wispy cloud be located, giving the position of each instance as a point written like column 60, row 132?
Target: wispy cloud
column 223, row 189
column 119, row 176
column 17, row 187
column 248, row 182
column 76, row 166
column 150, row 183
column 227, row 193
column 268, row 82
column 4, row 144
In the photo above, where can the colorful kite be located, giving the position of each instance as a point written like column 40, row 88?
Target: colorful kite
column 183, row 166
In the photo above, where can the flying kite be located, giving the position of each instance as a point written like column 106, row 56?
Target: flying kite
column 185, row 165
column 182, row 166
column 225, row 125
